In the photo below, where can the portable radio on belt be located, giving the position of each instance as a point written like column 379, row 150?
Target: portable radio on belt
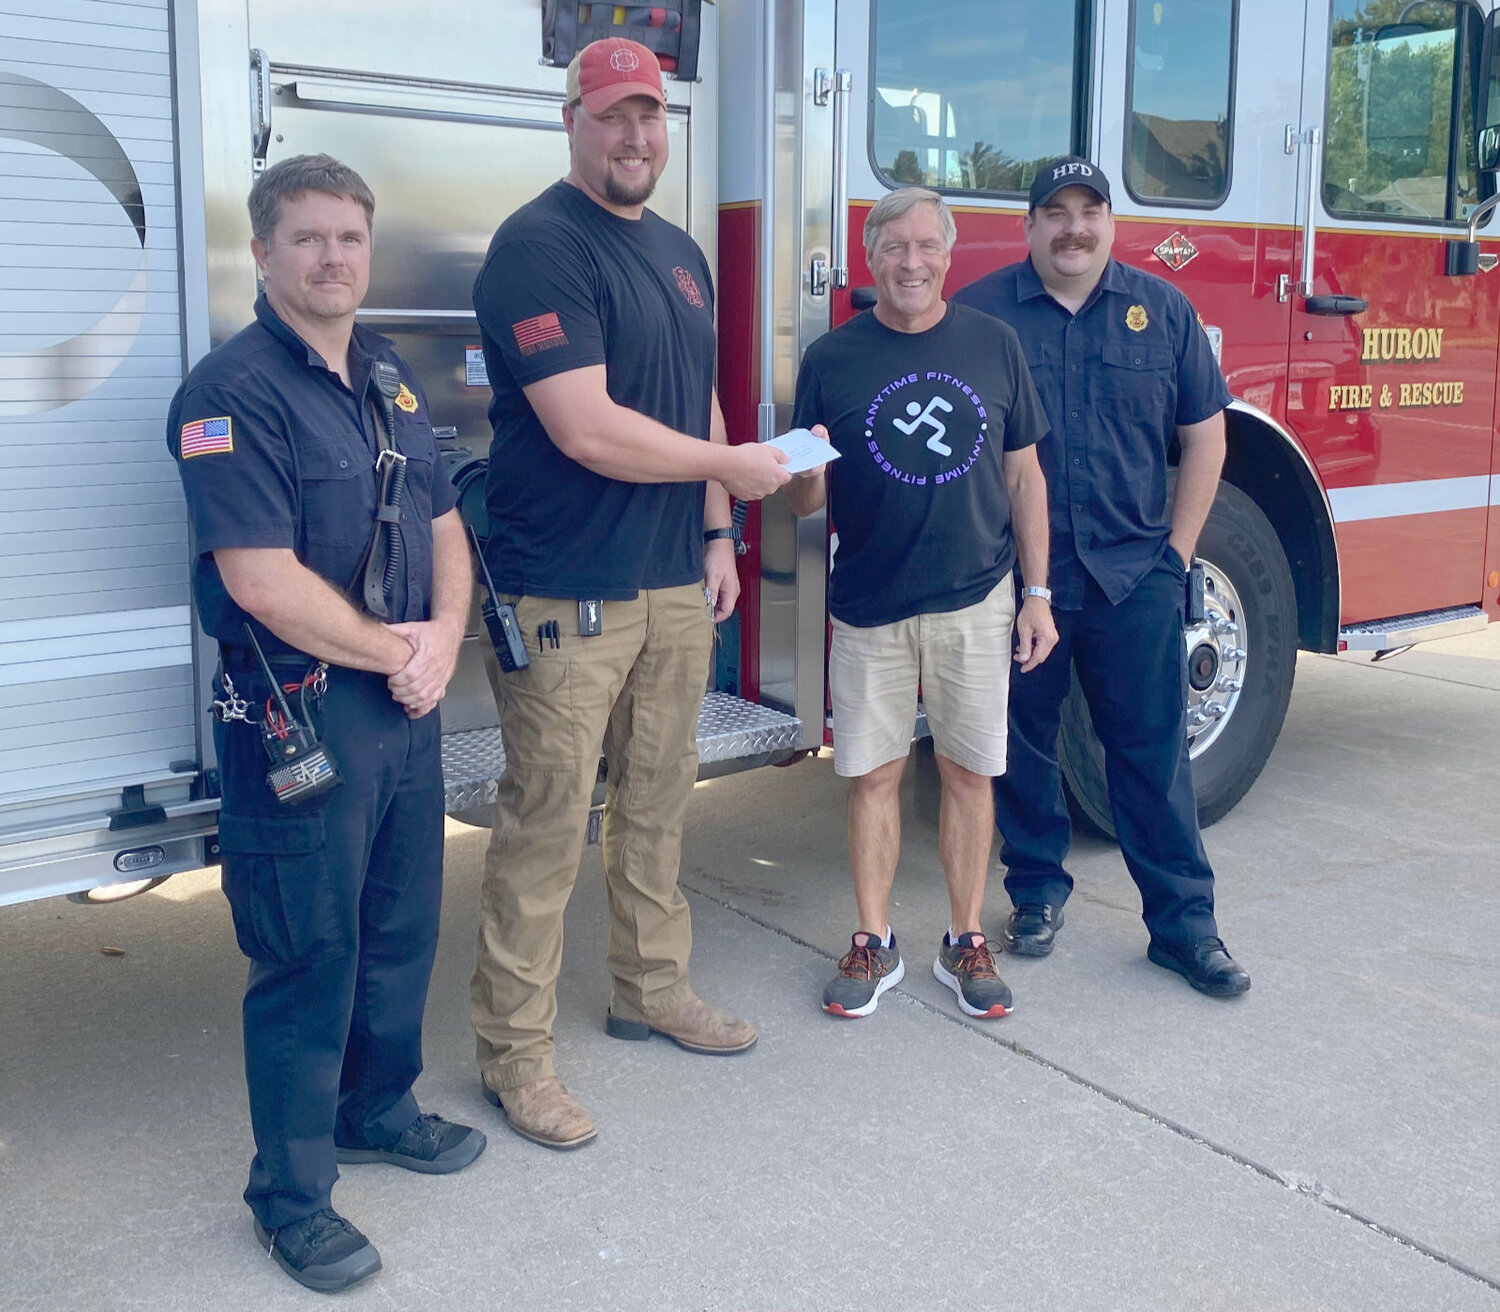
column 1195, row 611
column 301, row 767
column 500, row 620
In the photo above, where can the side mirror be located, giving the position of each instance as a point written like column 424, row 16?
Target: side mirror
column 1487, row 154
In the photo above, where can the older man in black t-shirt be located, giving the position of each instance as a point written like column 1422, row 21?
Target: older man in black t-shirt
column 608, row 498
column 939, row 492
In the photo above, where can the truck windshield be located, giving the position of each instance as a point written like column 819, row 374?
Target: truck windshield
column 971, row 95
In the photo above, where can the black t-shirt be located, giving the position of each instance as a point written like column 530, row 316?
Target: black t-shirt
column 922, row 421
column 567, row 284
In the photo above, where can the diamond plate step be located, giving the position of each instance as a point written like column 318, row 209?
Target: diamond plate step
column 729, row 729
column 1384, row 635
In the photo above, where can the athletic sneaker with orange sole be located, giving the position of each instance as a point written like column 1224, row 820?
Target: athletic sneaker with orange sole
column 866, row 971
column 968, row 968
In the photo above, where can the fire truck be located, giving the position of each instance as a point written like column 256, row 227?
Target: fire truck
column 1316, row 176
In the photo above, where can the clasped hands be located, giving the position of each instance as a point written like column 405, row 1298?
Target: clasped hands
column 419, row 685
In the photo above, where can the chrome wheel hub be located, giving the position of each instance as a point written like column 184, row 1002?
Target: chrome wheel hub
column 1216, row 658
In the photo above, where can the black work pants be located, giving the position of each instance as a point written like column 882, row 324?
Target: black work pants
column 1132, row 667
column 335, row 903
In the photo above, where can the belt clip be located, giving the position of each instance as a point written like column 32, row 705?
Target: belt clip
column 317, row 682
column 388, row 459
column 231, row 706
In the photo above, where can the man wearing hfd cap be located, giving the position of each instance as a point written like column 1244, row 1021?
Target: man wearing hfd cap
column 1123, row 366
column 608, row 497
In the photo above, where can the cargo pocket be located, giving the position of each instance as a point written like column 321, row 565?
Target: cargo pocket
column 277, row 881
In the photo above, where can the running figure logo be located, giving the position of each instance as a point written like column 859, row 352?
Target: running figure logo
column 953, row 424
column 922, row 416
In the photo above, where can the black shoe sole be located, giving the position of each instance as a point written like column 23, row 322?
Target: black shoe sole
column 465, row 1151
column 1233, row 989
column 361, row 1263
column 1029, row 947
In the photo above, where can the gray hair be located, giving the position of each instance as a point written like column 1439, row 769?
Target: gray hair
column 290, row 178
column 903, row 200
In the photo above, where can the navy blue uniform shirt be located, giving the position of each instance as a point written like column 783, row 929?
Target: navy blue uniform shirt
column 1116, row 379
column 274, row 451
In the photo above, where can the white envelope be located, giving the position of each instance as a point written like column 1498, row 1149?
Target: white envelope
column 804, row 450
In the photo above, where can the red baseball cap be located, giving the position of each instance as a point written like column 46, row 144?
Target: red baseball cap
column 606, row 72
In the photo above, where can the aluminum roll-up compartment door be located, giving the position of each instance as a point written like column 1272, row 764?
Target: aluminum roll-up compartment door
column 96, row 648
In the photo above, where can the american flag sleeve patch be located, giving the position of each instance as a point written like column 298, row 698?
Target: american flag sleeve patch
column 207, row 437
column 539, row 334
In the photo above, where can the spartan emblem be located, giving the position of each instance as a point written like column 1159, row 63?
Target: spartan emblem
column 922, row 416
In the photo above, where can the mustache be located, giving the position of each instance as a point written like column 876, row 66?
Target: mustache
column 1075, row 243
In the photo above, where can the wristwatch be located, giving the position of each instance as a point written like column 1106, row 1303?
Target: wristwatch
column 714, row 534
column 1031, row 590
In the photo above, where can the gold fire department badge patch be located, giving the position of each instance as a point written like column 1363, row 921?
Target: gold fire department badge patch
column 406, row 400
column 1135, row 318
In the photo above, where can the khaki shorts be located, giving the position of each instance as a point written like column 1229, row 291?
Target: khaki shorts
column 960, row 658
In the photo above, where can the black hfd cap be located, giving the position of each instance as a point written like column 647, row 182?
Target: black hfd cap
column 1069, row 171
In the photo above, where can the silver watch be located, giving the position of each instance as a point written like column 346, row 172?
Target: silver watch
column 1032, row 590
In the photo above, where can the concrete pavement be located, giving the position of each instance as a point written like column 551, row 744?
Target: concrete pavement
column 1327, row 1142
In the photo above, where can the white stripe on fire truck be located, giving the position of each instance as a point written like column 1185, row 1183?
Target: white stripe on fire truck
column 1428, row 497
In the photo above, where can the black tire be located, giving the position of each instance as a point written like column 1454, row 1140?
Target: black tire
column 1239, row 546
column 927, row 783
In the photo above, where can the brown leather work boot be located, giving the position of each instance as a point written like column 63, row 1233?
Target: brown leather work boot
column 546, row 1113
column 694, row 1025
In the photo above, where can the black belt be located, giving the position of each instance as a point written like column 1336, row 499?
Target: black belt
column 241, row 660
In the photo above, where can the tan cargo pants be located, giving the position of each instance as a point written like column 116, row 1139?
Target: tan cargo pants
column 634, row 691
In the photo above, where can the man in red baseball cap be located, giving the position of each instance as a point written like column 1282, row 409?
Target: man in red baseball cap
column 607, row 71
column 608, row 498
column 616, row 118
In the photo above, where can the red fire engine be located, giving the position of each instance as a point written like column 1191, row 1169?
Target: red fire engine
column 1307, row 171
column 1300, row 168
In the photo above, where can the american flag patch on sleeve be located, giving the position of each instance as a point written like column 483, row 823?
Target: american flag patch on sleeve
column 539, row 334
column 207, row 437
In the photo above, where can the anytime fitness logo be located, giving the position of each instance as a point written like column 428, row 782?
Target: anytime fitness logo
column 929, row 412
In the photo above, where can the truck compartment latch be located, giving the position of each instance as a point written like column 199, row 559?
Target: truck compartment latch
column 133, row 812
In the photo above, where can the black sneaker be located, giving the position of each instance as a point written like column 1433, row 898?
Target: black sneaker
column 429, row 1144
column 1032, row 929
column 322, row 1251
column 865, row 972
column 1206, row 965
column 968, row 968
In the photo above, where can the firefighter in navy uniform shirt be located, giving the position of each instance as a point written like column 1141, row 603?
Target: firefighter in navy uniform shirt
column 609, row 483
column 334, row 897
column 1123, row 367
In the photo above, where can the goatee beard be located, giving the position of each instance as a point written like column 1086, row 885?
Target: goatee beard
column 621, row 193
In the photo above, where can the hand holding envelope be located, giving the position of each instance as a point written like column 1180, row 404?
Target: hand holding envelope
column 807, row 450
